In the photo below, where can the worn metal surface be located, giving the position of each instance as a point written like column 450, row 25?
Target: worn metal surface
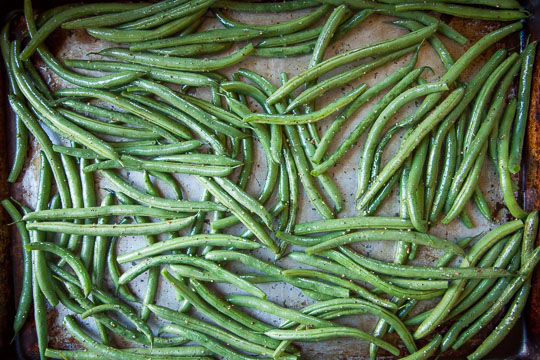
column 77, row 44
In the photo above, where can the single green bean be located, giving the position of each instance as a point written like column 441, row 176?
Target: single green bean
column 387, row 235
column 524, row 94
column 349, row 56
column 465, row 11
column 179, row 63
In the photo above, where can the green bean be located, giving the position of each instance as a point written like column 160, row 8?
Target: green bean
column 284, row 51
column 142, row 150
column 161, row 203
column 227, row 309
column 503, row 162
column 290, row 39
column 40, row 317
column 25, row 297
column 506, row 324
column 481, row 305
column 39, row 265
column 326, row 333
column 239, row 212
column 187, row 107
column 358, row 222
column 179, row 63
column 211, row 345
column 121, row 35
column 216, row 111
column 349, row 56
column 21, row 138
column 494, row 113
column 412, row 142
column 59, row 122
column 464, row 11
column 107, row 81
column 283, row 196
column 204, row 159
column 427, row 351
column 68, row 14
column 269, row 269
column 500, row 4
column 515, row 285
column 99, row 211
column 265, row 7
column 46, row 15
column 111, row 324
column 284, row 28
column 107, row 115
column 305, row 177
column 171, row 76
column 75, row 263
column 386, row 235
column 181, row 10
column 193, row 50
column 529, row 236
column 271, row 308
column 308, row 144
column 207, row 37
column 524, row 94
column 322, row 309
column 348, row 76
column 380, row 115
column 133, row 163
column 86, row 355
column 141, row 11
column 313, row 33
column 452, row 294
column 468, row 188
column 217, row 317
column 306, row 118
column 438, row 199
column 75, row 189
column 293, row 189
column 127, row 312
column 456, row 69
column 154, row 121
column 112, row 230
column 450, row 163
column 414, row 196
column 245, row 200
column 109, row 129
column 307, row 240
column 347, row 284
column 353, row 137
column 94, row 346
column 195, row 324
column 492, row 146
column 326, row 34
column 436, row 43
column 174, row 351
column 353, row 107
column 100, row 244
column 347, row 267
column 477, row 114
column 172, row 112
column 447, row 273
column 418, row 284
column 114, row 272
column 414, row 15
column 500, row 255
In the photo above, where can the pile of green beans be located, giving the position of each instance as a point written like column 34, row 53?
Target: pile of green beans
column 140, row 115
